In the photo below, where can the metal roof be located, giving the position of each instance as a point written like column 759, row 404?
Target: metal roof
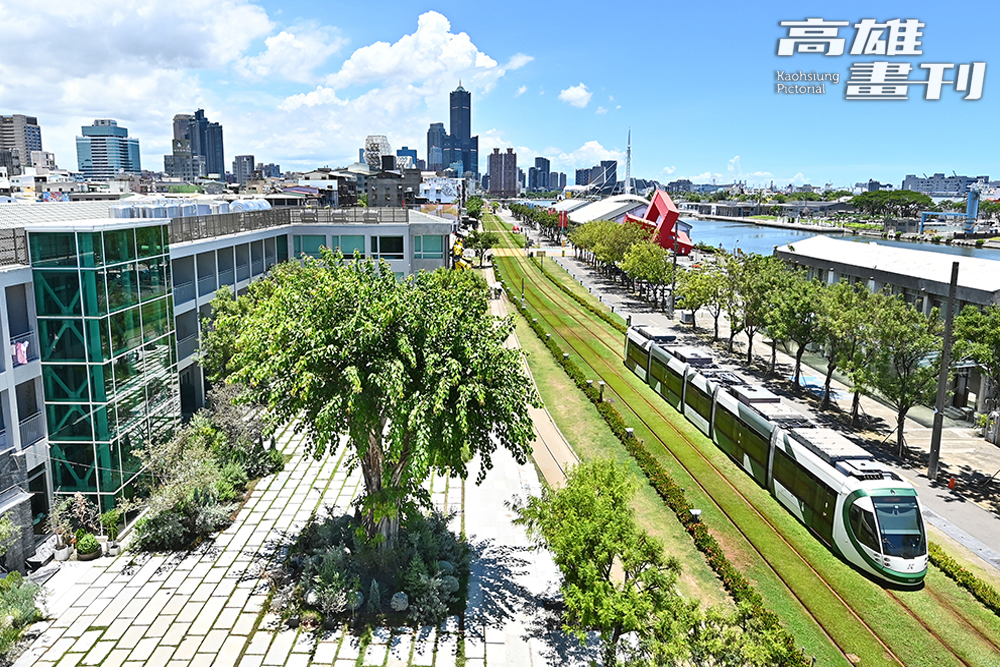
column 973, row 272
column 608, row 209
column 24, row 214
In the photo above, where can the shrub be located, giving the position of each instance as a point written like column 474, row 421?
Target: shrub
column 232, row 482
column 19, row 601
column 110, row 522
column 87, row 544
column 980, row 243
column 399, row 602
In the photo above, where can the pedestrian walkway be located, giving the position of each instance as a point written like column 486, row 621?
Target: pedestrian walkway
column 207, row 606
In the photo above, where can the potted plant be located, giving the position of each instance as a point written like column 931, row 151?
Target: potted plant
column 87, row 547
column 59, row 522
column 110, row 522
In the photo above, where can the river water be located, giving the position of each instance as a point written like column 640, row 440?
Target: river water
column 761, row 240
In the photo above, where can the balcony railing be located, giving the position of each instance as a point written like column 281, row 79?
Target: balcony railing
column 242, row 271
column 187, row 346
column 3, row 440
column 184, row 291
column 206, row 285
column 13, row 246
column 23, row 348
column 257, row 267
column 32, row 429
column 226, row 277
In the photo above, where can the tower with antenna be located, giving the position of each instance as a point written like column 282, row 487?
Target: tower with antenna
column 628, row 164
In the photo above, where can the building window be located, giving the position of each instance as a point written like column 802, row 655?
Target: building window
column 352, row 246
column 387, row 247
column 428, row 247
column 309, row 244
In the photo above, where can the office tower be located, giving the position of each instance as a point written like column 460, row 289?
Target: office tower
column 401, row 158
column 105, row 150
column 20, row 135
column 541, row 174
column 182, row 164
column 243, row 167
column 205, row 139
column 503, row 173
column 464, row 147
column 582, row 176
column 437, row 138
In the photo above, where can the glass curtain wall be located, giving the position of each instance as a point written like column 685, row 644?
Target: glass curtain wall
column 108, row 354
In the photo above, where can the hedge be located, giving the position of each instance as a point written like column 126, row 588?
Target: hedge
column 981, row 590
column 621, row 328
column 741, row 590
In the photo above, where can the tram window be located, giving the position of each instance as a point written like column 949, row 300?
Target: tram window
column 657, row 370
column 675, row 384
column 636, row 355
column 901, row 527
column 700, row 401
column 863, row 525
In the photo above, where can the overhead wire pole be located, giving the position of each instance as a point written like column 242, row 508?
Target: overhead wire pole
column 942, row 389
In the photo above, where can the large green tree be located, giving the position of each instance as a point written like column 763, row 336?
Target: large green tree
column 977, row 337
column 758, row 280
column 653, row 268
column 846, row 325
column 616, row 579
column 411, row 375
column 481, row 242
column 704, row 288
column 903, row 360
column 794, row 315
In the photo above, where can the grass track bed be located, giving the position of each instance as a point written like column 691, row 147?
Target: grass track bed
column 593, row 342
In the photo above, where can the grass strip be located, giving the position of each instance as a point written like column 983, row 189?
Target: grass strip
column 607, row 317
column 673, row 495
column 981, row 590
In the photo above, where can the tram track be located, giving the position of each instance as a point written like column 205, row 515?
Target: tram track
column 600, row 335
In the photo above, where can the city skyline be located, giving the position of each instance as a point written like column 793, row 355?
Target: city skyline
column 304, row 89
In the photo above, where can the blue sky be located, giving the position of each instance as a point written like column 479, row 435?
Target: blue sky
column 302, row 83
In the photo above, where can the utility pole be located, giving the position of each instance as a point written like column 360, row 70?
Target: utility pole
column 942, row 389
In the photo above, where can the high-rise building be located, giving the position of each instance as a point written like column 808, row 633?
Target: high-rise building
column 205, row 140
column 182, row 164
column 582, row 176
column 437, row 140
column 270, row 170
column 541, row 182
column 19, row 135
column 43, row 160
column 243, row 166
column 105, row 150
column 464, row 147
column 503, row 173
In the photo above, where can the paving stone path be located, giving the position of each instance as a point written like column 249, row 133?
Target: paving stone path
column 206, row 607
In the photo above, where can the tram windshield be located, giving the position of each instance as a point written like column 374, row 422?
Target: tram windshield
column 900, row 525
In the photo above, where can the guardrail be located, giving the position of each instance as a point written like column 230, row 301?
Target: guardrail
column 32, row 429
column 187, row 346
column 184, row 292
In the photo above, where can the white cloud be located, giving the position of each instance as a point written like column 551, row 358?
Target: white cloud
column 734, row 166
column 292, row 55
column 517, row 61
column 589, row 154
column 669, row 170
column 601, row 111
column 395, row 89
column 521, row 91
column 577, row 96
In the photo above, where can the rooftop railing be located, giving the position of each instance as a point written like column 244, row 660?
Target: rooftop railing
column 197, row 227
column 13, row 246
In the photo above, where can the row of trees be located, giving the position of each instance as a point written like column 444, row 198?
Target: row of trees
column 879, row 341
column 886, row 203
column 536, row 215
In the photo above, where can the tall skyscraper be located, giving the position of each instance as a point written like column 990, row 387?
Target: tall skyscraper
column 19, row 136
column 205, row 140
column 464, row 147
column 105, row 150
column 583, row 176
column 503, row 173
column 541, row 174
column 243, row 166
column 437, row 141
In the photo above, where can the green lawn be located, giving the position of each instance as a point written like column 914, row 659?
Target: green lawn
column 591, row 438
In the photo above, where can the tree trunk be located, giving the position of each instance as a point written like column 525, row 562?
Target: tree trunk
column 830, row 367
column 716, row 336
column 774, row 354
column 749, row 349
column 798, row 363
column 900, row 420
column 855, row 408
